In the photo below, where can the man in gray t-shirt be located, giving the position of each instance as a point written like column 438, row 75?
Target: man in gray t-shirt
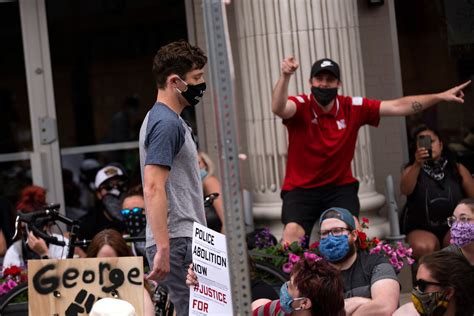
column 370, row 284
column 170, row 171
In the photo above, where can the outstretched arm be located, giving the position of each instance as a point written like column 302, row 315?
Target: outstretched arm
column 414, row 104
column 281, row 106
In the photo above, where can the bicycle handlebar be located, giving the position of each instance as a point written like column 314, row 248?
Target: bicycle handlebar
column 49, row 213
column 48, row 238
column 86, row 242
column 30, row 216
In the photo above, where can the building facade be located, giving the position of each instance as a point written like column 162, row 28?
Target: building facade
column 70, row 71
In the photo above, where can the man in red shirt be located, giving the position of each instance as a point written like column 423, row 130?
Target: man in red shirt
column 322, row 129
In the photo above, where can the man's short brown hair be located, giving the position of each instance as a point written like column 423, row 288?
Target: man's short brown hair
column 178, row 58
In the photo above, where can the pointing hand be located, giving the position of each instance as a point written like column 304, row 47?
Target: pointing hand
column 289, row 65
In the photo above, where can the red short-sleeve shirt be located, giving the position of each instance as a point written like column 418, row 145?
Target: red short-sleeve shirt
column 321, row 145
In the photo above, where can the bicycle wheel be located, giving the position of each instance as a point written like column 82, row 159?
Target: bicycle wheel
column 270, row 274
column 17, row 309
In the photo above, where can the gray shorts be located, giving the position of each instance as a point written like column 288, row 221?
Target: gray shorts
column 175, row 281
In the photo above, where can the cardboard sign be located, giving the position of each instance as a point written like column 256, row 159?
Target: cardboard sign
column 70, row 287
column 213, row 295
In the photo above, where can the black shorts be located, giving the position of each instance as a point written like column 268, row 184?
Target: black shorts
column 305, row 206
column 411, row 223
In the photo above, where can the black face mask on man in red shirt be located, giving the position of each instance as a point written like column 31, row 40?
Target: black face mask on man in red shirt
column 324, row 96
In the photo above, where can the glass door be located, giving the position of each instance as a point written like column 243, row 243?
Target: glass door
column 75, row 85
column 101, row 61
column 29, row 152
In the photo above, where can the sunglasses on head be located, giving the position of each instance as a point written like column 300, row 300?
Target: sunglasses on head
column 129, row 211
column 422, row 284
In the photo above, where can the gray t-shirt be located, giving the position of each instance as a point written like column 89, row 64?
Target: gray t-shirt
column 364, row 272
column 166, row 140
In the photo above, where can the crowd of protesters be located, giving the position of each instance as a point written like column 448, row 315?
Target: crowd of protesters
column 322, row 128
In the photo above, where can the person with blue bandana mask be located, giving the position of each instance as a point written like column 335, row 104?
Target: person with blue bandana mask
column 315, row 289
column 370, row 283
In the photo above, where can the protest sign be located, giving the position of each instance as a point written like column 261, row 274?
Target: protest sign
column 70, row 287
column 212, row 296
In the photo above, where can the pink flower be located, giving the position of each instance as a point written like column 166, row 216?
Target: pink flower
column 399, row 266
column 311, row 256
column 401, row 252
column 287, row 267
column 376, row 249
column 388, row 249
column 292, row 258
column 395, row 263
column 7, row 286
column 410, row 260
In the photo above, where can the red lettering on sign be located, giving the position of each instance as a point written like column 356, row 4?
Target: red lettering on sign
column 200, row 305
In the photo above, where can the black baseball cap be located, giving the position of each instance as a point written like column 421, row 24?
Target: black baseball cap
column 325, row 64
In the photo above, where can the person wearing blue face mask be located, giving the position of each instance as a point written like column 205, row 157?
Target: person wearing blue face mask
column 322, row 131
column 370, row 283
column 315, row 288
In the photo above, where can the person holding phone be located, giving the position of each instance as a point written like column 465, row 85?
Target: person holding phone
column 322, row 134
column 434, row 183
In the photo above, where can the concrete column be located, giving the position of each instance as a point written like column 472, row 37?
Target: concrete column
column 269, row 30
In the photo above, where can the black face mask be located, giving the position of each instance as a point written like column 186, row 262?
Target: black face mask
column 113, row 204
column 193, row 93
column 324, row 96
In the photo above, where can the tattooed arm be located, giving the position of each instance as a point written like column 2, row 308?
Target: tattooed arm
column 414, row 104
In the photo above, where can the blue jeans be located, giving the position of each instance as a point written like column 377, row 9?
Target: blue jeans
column 175, row 281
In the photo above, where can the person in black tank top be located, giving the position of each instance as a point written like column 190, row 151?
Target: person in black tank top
column 434, row 183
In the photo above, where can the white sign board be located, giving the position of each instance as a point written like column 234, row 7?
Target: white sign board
column 213, row 294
